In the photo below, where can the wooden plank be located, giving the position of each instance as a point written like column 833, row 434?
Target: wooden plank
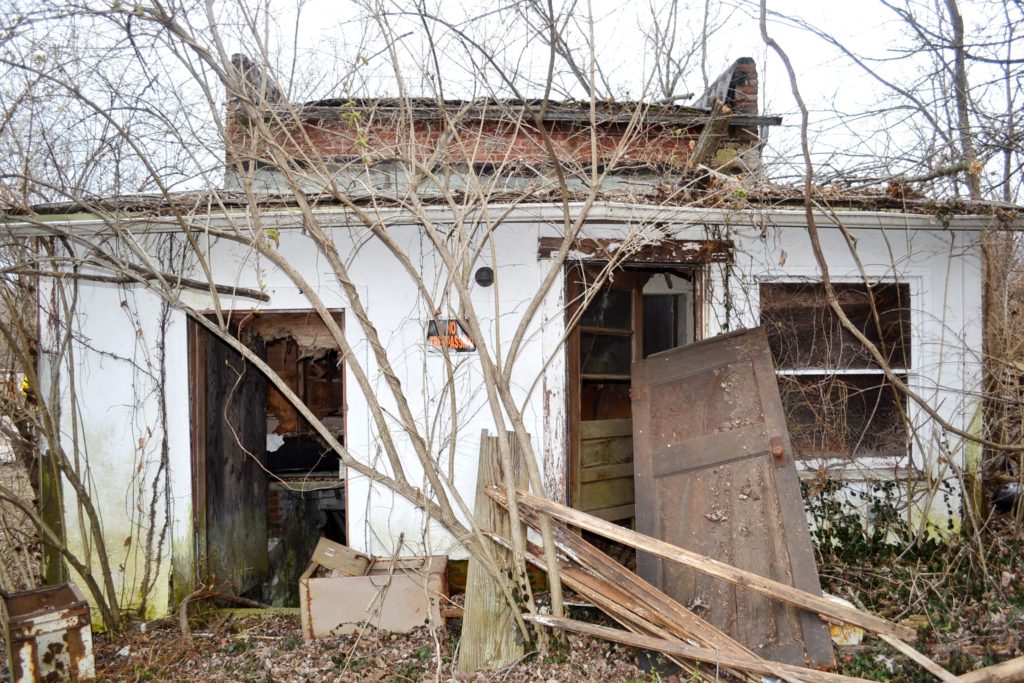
column 604, row 494
column 236, row 483
column 647, row 603
column 627, row 598
column 622, row 605
column 1005, row 672
column 615, row 514
column 710, row 135
column 708, row 425
column 675, row 252
column 634, row 603
column 617, row 604
column 605, row 472
column 928, row 665
column 779, row 591
column 713, row 657
column 614, row 331
column 604, row 377
column 603, row 429
column 616, row 450
column 261, row 612
column 490, row 637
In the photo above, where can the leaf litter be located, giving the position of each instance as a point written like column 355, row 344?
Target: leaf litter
column 271, row 648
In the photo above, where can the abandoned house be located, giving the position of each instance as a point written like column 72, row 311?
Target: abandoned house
column 700, row 247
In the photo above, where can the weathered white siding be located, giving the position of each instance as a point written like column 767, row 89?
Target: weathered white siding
column 118, row 420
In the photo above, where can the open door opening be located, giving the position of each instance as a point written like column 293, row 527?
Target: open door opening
column 642, row 310
column 266, row 486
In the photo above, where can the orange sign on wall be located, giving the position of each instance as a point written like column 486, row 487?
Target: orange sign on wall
column 452, row 336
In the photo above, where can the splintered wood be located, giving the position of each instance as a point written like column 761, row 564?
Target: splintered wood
column 720, row 524
column 660, row 623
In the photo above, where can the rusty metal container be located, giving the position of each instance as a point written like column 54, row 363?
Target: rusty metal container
column 49, row 635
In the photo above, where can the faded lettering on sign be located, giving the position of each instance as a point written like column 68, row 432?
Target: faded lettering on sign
column 450, row 336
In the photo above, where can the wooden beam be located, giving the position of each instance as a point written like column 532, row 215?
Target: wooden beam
column 489, row 631
column 631, row 601
column 1005, row 672
column 711, row 135
column 759, row 584
column 592, row 560
column 674, row 252
column 637, row 615
column 713, row 657
column 930, row 666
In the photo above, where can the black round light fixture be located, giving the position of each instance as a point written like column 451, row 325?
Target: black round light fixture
column 484, row 276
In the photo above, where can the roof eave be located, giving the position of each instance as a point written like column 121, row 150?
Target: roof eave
column 599, row 213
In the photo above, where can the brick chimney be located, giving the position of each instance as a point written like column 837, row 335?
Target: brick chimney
column 743, row 87
column 735, row 87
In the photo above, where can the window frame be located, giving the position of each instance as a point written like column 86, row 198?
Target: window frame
column 916, row 283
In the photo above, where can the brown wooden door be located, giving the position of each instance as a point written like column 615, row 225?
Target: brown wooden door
column 706, row 420
column 235, row 481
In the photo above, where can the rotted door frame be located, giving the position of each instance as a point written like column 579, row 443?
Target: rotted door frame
column 694, row 256
column 198, row 413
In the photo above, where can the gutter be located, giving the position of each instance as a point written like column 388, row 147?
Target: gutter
column 601, row 213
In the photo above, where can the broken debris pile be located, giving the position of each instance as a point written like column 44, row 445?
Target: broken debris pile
column 654, row 621
column 717, row 497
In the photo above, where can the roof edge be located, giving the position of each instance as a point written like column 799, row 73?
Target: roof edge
column 285, row 218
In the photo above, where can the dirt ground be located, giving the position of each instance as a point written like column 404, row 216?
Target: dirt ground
column 232, row 648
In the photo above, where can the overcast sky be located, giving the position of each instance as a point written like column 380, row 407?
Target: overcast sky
column 827, row 80
column 334, row 50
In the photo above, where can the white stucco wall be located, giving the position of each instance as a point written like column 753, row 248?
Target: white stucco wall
column 942, row 268
column 113, row 433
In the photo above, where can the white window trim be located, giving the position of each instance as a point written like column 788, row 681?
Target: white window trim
column 918, row 282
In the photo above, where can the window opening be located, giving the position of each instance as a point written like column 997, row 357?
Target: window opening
column 668, row 312
column 838, row 401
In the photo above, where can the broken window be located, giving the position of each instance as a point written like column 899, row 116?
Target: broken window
column 667, row 312
column 838, row 401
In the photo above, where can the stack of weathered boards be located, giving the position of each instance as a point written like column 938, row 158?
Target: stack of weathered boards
column 720, row 529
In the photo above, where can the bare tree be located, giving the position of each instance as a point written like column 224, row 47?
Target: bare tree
column 140, row 108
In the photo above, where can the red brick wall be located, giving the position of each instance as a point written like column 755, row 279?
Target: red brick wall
column 329, row 137
column 363, row 134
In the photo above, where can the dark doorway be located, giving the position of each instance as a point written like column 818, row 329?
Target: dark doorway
column 267, row 486
column 641, row 310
